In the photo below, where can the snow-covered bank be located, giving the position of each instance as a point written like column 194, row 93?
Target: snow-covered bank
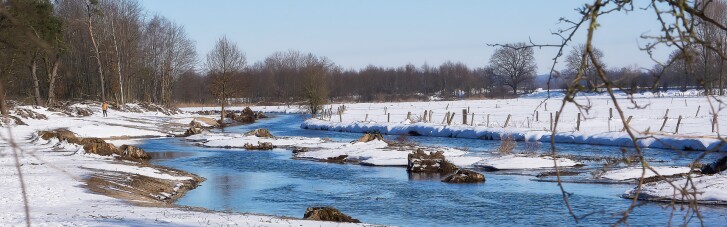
column 632, row 173
column 482, row 132
column 59, row 176
column 671, row 120
column 707, row 189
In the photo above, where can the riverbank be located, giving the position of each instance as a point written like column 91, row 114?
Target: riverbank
column 66, row 186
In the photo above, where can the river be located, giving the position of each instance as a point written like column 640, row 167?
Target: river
column 270, row 182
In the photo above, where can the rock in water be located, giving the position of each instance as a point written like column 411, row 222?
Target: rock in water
column 261, row 132
column 464, row 176
column 260, row 146
column 421, row 162
column 193, row 131
column 132, row 152
column 370, row 137
column 716, row 167
column 327, row 214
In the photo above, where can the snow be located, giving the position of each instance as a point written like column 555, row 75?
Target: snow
column 239, row 140
column 511, row 162
column 709, row 189
column 635, row 172
column 375, row 153
column 53, row 174
column 530, row 119
column 144, row 171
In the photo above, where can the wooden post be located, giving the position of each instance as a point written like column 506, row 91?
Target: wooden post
column 610, row 113
column 425, row 116
column 408, row 115
column 578, row 122
column 430, row 116
column 488, row 121
column 367, row 117
column 551, row 121
column 679, row 121
column 388, row 117
column 546, row 106
column 472, row 120
column 464, row 116
column 528, row 119
column 699, row 107
column 446, row 116
column 451, row 117
column 385, row 112
column 666, row 114
column 628, row 120
column 507, row 121
column 714, row 121
column 663, row 124
column 340, row 118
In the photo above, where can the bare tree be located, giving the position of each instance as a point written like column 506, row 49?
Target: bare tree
column 92, row 10
column 573, row 65
column 514, row 64
column 223, row 61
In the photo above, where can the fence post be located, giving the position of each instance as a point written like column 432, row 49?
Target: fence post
column 446, row 116
column 578, row 122
column 367, row 117
column 430, row 116
column 388, row 117
column 464, row 116
column 627, row 123
column 666, row 114
column 507, row 121
column 340, row 118
column 699, row 107
column 488, row 121
column 451, row 117
column 679, row 121
column 537, row 116
column 551, row 121
column 408, row 115
column 714, row 121
column 663, row 124
column 425, row 116
column 472, row 121
column 610, row 113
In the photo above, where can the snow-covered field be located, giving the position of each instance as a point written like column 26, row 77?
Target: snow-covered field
column 530, row 119
column 54, row 176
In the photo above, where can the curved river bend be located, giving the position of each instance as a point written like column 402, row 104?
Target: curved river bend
column 270, row 182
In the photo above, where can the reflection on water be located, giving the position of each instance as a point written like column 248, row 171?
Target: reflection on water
column 164, row 155
column 273, row 183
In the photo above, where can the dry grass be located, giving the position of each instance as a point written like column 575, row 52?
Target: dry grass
column 507, row 145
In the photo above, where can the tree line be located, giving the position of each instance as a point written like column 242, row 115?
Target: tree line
column 116, row 51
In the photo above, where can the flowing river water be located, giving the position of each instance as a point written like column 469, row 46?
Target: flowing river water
column 271, row 182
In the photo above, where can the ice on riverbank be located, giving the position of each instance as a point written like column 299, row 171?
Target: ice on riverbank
column 708, row 189
column 513, row 162
column 227, row 140
column 632, row 173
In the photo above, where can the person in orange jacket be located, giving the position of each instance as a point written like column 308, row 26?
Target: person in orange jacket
column 105, row 107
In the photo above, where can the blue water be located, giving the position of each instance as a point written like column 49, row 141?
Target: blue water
column 270, row 182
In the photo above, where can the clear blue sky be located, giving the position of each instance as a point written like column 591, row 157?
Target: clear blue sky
column 356, row 33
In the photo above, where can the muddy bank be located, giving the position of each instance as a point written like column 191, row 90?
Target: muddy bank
column 143, row 190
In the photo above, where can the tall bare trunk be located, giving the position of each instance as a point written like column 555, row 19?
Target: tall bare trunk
column 52, row 72
column 95, row 48
column 118, row 62
column 36, row 85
